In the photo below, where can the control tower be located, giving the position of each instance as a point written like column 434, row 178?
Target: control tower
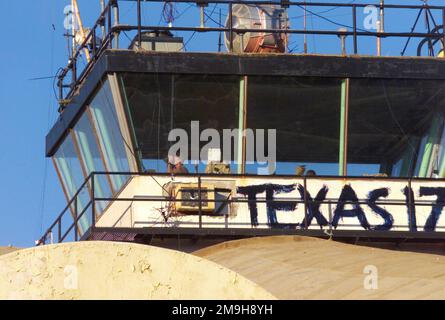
column 154, row 140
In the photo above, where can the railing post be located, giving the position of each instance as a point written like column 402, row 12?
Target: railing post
column 76, row 215
column 59, row 230
column 102, row 24
column 330, row 216
column 116, row 22
column 93, row 43
column 139, row 24
column 110, row 43
column 305, row 203
column 230, row 27
column 354, row 17
column 411, row 207
column 200, row 201
column 93, row 202
column 73, row 72
column 443, row 31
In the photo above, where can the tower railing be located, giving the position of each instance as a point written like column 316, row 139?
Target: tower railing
column 109, row 28
column 68, row 225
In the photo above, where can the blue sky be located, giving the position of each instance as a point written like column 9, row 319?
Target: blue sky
column 33, row 46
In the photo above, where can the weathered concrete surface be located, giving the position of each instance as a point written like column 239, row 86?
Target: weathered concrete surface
column 109, row 270
column 307, row 268
column 6, row 250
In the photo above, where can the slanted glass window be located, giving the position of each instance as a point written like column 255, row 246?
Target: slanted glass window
column 110, row 136
column 305, row 112
column 92, row 158
column 158, row 103
column 72, row 176
column 393, row 126
column 441, row 155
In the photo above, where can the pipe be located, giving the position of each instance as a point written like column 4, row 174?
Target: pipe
column 102, row 9
column 381, row 27
column 116, row 23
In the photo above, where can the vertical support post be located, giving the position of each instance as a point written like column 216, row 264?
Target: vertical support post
column 110, row 43
column 201, row 15
column 93, row 201
column 60, row 85
column 220, row 33
column 230, row 27
column 410, row 205
column 305, row 28
column 305, row 202
column 76, row 216
column 242, row 123
column 93, row 43
column 116, row 23
column 443, row 32
column 102, row 24
column 200, row 201
column 330, row 216
column 59, row 231
column 354, row 17
column 73, row 72
column 380, row 28
column 139, row 25
column 379, row 40
column 344, row 111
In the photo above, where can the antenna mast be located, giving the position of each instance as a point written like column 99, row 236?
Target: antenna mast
column 78, row 19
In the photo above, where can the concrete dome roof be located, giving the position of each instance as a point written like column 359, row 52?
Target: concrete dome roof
column 109, row 270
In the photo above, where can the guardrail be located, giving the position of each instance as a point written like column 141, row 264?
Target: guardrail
column 62, row 229
column 109, row 27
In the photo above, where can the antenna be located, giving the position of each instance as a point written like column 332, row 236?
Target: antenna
column 76, row 17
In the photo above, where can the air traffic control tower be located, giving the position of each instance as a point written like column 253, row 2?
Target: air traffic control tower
column 356, row 142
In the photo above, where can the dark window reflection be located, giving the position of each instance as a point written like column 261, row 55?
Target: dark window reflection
column 306, row 114
column 390, row 124
column 158, row 103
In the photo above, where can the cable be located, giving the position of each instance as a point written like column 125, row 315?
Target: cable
column 194, row 32
column 49, row 113
column 331, row 21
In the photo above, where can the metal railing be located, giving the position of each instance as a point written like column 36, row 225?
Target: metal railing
column 73, row 228
column 109, row 26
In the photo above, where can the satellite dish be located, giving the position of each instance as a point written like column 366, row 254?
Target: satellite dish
column 261, row 17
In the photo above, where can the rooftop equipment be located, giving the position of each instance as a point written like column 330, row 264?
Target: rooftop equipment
column 158, row 41
column 261, row 17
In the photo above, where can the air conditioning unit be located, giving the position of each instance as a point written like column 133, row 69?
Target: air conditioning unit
column 188, row 194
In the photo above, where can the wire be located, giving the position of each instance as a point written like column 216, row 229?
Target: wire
column 194, row 32
column 330, row 20
column 49, row 116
